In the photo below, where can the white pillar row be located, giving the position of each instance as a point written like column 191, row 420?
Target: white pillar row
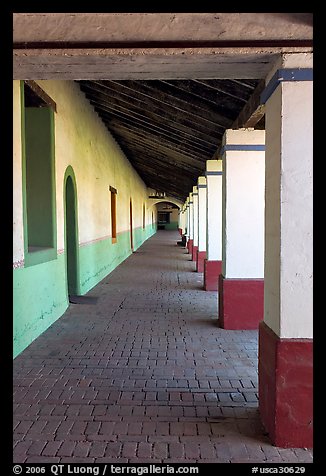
column 184, row 221
column 201, row 253
column 181, row 220
column 195, row 222
column 285, row 335
column 213, row 261
column 186, row 232
column 190, row 224
column 241, row 283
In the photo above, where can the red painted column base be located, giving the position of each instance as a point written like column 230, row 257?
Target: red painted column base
column 189, row 246
column 240, row 303
column 285, row 368
column 212, row 270
column 201, row 256
column 180, row 231
column 194, row 253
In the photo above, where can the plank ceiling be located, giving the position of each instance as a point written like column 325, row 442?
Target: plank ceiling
column 169, row 128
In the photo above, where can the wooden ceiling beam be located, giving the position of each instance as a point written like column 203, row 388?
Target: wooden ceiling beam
column 157, row 143
column 245, row 83
column 168, row 183
column 160, row 166
column 253, row 111
column 179, row 122
column 143, row 150
column 175, row 161
column 172, row 107
column 211, row 96
column 236, row 92
column 179, row 100
column 112, row 112
column 161, row 28
column 115, row 120
column 145, row 64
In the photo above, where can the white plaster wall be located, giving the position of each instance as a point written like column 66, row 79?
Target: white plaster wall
column 18, row 236
column 201, row 214
column 214, row 211
column 82, row 141
column 195, row 215
column 243, row 207
column 174, row 215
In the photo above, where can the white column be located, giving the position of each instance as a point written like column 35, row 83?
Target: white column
column 191, row 217
column 285, row 337
column 202, row 187
column 181, row 220
column 195, row 222
column 187, row 218
column 213, row 261
column 190, row 224
column 241, row 283
column 243, row 203
column 289, row 207
column 214, row 209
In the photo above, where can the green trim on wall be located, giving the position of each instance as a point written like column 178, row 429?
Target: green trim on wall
column 99, row 259
column 48, row 251
column 142, row 234
column 39, row 294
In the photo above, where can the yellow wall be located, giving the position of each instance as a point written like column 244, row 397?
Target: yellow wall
column 18, row 244
column 83, row 142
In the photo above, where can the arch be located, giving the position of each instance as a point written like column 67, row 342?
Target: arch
column 166, row 199
column 71, row 242
column 168, row 215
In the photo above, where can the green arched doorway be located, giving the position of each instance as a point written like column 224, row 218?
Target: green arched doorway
column 71, row 234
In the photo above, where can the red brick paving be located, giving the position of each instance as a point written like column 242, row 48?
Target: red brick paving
column 144, row 376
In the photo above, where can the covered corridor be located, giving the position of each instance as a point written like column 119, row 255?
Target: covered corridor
column 127, row 129
column 139, row 371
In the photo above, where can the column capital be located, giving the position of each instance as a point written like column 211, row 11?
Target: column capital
column 285, row 75
column 213, row 165
column 290, row 60
column 242, row 147
column 201, row 182
column 243, row 140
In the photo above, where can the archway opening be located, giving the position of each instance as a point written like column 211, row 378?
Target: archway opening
column 167, row 216
column 71, row 237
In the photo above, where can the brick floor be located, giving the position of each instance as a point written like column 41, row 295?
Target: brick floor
column 145, row 375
